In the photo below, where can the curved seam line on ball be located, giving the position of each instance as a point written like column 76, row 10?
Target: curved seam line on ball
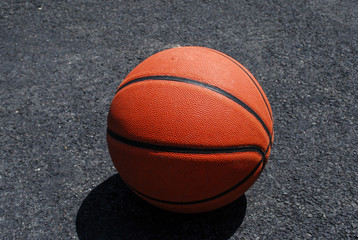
column 204, row 200
column 182, row 149
column 243, row 69
column 201, row 84
column 265, row 160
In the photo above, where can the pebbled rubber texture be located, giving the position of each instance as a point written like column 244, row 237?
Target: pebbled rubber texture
column 206, row 65
column 189, row 130
column 179, row 149
column 186, row 182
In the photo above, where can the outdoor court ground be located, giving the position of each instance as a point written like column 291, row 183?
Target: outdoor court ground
column 61, row 62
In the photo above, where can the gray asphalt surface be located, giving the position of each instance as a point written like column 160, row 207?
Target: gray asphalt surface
column 61, row 62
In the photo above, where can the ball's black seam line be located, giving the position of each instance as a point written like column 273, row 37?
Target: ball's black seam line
column 182, row 149
column 203, row 200
column 265, row 159
column 270, row 143
column 201, row 84
column 243, row 69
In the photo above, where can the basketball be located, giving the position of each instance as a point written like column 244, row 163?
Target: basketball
column 190, row 129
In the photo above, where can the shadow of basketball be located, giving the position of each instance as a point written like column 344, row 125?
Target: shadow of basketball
column 112, row 211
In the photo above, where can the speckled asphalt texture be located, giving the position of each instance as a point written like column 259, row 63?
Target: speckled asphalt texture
column 61, row 62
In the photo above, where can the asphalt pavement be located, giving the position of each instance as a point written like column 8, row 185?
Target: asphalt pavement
column 61, row 62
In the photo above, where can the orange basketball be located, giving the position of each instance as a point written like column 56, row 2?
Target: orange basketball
column 189, row 129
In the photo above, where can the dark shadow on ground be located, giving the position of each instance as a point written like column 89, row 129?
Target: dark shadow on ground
column 112, row 211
